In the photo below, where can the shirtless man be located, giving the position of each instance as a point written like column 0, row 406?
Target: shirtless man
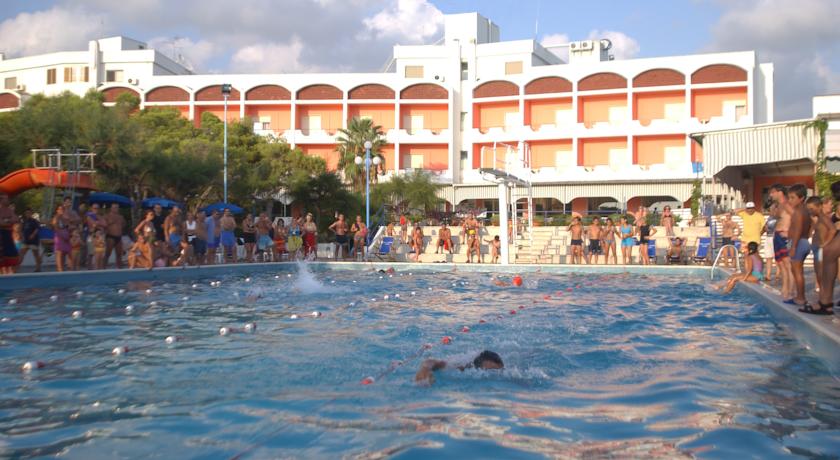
column 214, row 234
column 114, row 228
column 486, row 360
column 173, row 227
column 576, row 229
column 72, row 217
column 444, row 239
column 417, row 241
column 471, row 225
column 800, row 230
column 9, row 260
column 729, row 231
column 200, row 241
column 264, row 241
column 778, row 193
column 339, row 227
column 829, row 253
column 359, row 231
column 228, row 240
column 594, row 233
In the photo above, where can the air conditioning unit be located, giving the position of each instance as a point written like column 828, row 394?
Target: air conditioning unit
column 586, row 45
column 133, row 81
column 440, row 78
column 20, row 87
column 574, row 45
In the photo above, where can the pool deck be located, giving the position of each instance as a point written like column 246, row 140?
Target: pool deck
column 821, row 334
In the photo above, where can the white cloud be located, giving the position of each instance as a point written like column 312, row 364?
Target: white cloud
column 271, row 58
column 800, row 38
column 623, row 45
column 189, row 53
column 55, row 29
column 415, row 21
column 552, row 40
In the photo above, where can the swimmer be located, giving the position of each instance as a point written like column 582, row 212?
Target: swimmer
column 486, row 360
column 389, row 271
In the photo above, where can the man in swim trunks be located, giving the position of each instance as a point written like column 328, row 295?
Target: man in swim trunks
column 359, row 231
column 214, row 234
column 471, row 225
column 829, row 254
column 486, row 360
column 310, row 237
column 173, row 227
column 31, row 239
column 114, row 228
column 264, row 241
column 228, row 239
column 444, row 239
column 728, row 232
column 576, row 230
column 800, row 247
column 8, row 250
column 200, row 241
column 594, row 233
column 779, row 195
column 342, row 243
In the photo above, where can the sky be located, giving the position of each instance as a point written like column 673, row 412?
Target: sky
column 800, row 37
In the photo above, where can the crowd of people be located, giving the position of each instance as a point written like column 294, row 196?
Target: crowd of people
column 87, row 237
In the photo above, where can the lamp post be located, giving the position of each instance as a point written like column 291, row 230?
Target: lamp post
column 376, row 161
column 226, row 93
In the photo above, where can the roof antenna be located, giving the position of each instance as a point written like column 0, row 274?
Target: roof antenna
column 537, row 21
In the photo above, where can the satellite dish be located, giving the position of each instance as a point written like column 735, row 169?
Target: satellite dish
column 606, row 44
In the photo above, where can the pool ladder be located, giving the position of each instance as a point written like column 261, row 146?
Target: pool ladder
column 717, row 258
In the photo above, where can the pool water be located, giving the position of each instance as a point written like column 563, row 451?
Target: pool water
column 596, row 366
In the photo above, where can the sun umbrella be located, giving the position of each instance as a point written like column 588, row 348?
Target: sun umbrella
column 165, row 203
column 222, row 206
column 108, row 198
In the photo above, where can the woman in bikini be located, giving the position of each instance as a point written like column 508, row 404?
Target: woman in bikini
column 627, row 241
column 280, row 237
column 249, row 234
column 61, row 239
column 645, row 232
column 608, row 242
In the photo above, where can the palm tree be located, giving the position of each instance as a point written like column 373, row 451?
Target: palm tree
column 413, row 191
column 351, row 143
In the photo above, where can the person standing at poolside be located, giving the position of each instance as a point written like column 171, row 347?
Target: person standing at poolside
column 114, row 228
column 417, row 242
column 158, row 220
column 249, row 235
column 752, row 222
column 800, row 247
column 93, row 222
column 264, row 241
column 779, row 194
column 200, row 240
column 71, row 217
column 295, row 240
column 830, row 252
column 339, row 228
column 359, row 231
column 173, row 228
column 495, row 249
column 281, row 236
column 403, row 229
column 61, row 238
column 146, row 227
column 576, row 231
column 444, row 239
column 768, row 251
column 471, row 227
column 310, row 237
column 728, row 229
column 608, row 242
column 645, row 232
column 31, row 229
column 627, row 241
column 594, row 232
column 228, row 240
column 9, row 260
column 667, row 221
column 214, row 235
column 815, row 207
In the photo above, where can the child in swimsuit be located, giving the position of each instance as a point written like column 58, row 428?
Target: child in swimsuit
column 753, row 269
column 75, row 249
column 99, row 247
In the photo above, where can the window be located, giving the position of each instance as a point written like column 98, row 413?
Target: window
column 414, row 71
column 114, row 76
column 85, row 73
column 465, row 70
column 50, row 76
column 10, row 83
column 69, row 74
column 513, row 67
column 463, row 120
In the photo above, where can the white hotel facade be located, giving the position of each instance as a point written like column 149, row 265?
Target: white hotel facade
column 592, row 130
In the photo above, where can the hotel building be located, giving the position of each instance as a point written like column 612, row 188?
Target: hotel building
column 594, row 131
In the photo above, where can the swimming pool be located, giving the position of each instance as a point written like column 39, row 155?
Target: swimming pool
column 597, row 365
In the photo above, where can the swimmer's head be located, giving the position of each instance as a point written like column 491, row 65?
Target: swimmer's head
column 488, row 360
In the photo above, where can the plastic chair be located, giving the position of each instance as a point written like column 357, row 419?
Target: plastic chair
column 651, row 250
column 385, row 248
column 703, row 246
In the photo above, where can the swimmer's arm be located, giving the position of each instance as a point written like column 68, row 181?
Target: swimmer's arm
column 425, row 375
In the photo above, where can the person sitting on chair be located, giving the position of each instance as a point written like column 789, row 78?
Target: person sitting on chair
column 675, row 252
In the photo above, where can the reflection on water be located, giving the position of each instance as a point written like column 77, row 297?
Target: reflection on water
column 597, row 366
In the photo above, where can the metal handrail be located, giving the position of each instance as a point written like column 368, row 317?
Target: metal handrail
column 717, row 258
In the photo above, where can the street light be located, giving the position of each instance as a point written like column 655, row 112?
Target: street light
column 226, row 88
column 376, row 162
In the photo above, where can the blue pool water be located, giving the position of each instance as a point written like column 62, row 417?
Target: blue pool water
column 621, row 366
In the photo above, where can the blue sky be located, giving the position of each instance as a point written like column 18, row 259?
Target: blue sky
column 800, row 37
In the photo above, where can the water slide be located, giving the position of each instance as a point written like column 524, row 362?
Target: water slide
column 25, row 179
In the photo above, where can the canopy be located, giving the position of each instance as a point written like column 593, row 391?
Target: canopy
column 108, row 198
column 165, row 203
column 222, row 206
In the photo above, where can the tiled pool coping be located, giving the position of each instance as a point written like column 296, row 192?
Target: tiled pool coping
column 821, row 334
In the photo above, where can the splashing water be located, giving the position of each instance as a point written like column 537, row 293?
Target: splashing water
column 307, row 283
